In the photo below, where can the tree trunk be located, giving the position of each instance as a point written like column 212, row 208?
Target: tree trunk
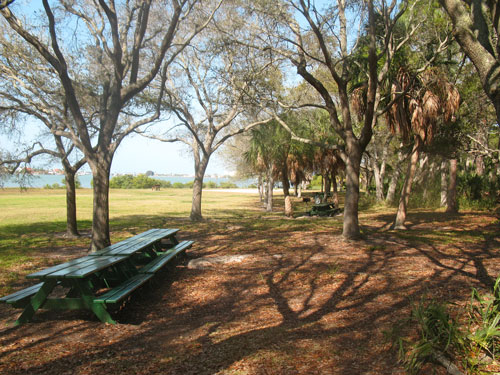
column 452, row 206
column 335, row 190
column 71, row 223
column 286, row 190
column 260, row 187
column 399, row 223
column 350, row 228
column 471, row 36
column 379, row 185
column 269, row 197
column 100, row 217
column 444, row 184
column 328, row 187
column 391, row 191
column 199, row 175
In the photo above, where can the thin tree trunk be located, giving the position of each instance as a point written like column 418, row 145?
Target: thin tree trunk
column 199, row 174
column 335, row 190
column 71, row 222
column 399, row 223
column 286, row 190
column 452, row 206
column 379, row 186
column 444, row 183
column 328, row 187
column 270, row 185
column 350, row 228
column 100, row 217
column 391, row 191
column 260, row 185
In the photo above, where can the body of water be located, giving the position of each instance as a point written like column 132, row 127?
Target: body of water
column 39, row 181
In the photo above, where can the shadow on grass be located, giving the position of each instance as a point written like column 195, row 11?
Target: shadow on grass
column 291, row 314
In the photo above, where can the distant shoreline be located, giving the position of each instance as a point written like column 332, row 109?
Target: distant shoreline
column 40, row 181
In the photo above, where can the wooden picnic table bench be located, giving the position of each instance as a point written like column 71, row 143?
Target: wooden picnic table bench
column 323, row 209
column 120, row 269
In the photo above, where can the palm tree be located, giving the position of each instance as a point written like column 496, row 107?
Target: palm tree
column 426, row 101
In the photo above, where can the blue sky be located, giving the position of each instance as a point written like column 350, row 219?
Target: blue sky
column 137, row 154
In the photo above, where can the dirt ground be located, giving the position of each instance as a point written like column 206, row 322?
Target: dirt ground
column 303, row 301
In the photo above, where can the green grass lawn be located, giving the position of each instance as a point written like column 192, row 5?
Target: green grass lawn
column 35, row 219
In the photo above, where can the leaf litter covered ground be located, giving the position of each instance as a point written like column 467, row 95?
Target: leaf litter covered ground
column 301, row 300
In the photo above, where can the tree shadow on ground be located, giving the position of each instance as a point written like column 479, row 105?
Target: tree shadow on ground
column 309, row 303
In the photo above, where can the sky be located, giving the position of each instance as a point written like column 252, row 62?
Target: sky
column 137, row 154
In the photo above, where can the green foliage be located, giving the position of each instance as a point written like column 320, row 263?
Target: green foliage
column 136, row 182
column 210, row 185
column 178, row 185
column 477, row 191
column 471, row 339
column 55, row 185
column 227, row 185
column 483, row 330
column 316, row 182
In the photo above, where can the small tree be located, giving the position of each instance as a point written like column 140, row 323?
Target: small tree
column 113, row 55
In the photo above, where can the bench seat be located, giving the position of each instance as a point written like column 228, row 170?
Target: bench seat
column 163, row 259
column 21, row 297
column 123, row 290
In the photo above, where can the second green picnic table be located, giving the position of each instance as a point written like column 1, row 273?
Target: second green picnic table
column 116, row 270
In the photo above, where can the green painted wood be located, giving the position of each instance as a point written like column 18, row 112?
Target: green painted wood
column 163, row 259
column 41, row 274
column 123, row 290
column 139, row 242
column 36, row 301
column 127, row 242
column 22, row 294
column 64, row 304
column 98, row 264
column 87, row 298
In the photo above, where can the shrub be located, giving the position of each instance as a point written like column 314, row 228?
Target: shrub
column 473, row 337
column 178, row 185
column 227, row 185
column 136, row 182
column 210, row 185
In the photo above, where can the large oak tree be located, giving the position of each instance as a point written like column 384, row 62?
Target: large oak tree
column 111, row 52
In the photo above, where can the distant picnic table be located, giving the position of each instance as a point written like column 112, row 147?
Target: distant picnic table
column 323, row 209
column 100, row 280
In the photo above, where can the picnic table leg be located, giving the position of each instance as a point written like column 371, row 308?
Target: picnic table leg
column 174, row 241
column 88, row 299
column 36, row 302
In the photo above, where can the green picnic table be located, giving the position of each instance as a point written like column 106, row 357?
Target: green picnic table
column 323, row 209
column 118, row 269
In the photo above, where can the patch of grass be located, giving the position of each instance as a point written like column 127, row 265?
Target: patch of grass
column 471, row 337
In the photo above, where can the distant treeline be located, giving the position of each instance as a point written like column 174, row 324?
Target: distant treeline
column 142, row 181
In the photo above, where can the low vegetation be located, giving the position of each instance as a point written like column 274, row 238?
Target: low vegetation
column 302, row 291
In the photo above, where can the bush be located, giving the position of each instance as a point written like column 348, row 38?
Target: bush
column 472, row 337
column 178, row 185
column 210, row 185
column 227, row 185
column 316, row 182
column 78, row 184
column 136, row 182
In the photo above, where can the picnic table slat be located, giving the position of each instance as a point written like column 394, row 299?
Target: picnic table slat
column 138, row 243
column 84, row 267
column 58, row 267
